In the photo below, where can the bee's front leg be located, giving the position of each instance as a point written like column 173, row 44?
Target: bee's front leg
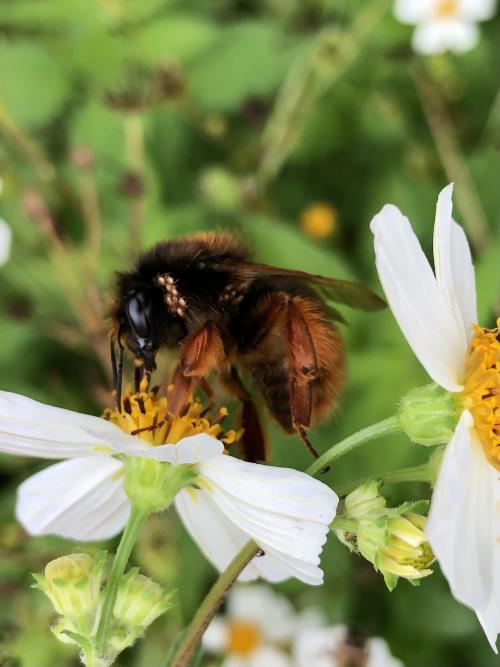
column 201, row 353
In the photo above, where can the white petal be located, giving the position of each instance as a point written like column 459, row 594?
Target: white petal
column 316, row 647
column 82, row 499
column 30, row 428
column 220, row 539
column 257, row 604
column 489, row 617
column 5, row 241
column 215, row 636
column 286, row 512
column 415, row 299
column 192, row 449
column 435, row 37
column 413, row 11
column 268, row 656
column 478, row 10
column 464, row 521
column 379, row 654
column 453, row 264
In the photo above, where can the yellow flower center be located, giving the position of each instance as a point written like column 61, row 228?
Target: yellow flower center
column 319, row 221
column 481, row 395
column 243, row 638
column 145, row 414
column 446, row 9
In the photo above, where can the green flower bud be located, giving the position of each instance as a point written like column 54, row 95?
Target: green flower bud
column 365, row 501
column 220, row 189
column 397, row 546
column 139, row 601
column 428, row 415
column 152, row 485
column 72, row 583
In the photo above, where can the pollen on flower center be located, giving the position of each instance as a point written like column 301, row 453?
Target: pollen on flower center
column 243, row 638
column 145, row 414
column 446, row 9
column 481, row 395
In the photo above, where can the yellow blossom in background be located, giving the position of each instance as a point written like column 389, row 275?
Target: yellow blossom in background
column 319, row 220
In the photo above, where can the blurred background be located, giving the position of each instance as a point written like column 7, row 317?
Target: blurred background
column 124, row 122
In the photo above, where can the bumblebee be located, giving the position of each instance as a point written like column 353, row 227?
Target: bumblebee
column 227, row 314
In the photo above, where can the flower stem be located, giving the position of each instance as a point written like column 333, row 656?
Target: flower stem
column 210, row 605
column 420, row 473
column 385, row 427
column 129, row 537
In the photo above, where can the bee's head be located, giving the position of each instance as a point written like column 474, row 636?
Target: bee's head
column 139, row 329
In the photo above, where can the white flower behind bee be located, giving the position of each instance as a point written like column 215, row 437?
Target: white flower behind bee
column 332, row 647
column 444, row 25
column 257, row 625
column 5, row 241
column 286, row 512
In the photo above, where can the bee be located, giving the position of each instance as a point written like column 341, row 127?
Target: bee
column 227, row 314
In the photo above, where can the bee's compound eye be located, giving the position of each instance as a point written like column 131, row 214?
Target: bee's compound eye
column 139, row 314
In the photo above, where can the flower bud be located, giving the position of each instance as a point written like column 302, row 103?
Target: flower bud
column 397, row 546
column 139, row 601
column 152, row 485
column 72, row 583
column 365, row 501
column 220, row 189
column 428, row 415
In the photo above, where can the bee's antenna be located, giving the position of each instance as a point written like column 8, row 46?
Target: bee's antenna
column 114, row 368
column 119, row 373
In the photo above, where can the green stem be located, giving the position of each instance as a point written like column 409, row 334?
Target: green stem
column 385, row 427
column 129, row 537
column 419, row 473
column 210, row 605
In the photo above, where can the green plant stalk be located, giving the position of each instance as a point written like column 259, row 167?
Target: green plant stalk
column 420, row 473
column 135, row 154
column 129, row 537
column 210, row 605
column 331, row 55
column 385, row 427
column 452, row 157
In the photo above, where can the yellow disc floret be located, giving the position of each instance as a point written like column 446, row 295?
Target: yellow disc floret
column 145, row 414
column 243, row 638
column 446, row 9
column 481, row 395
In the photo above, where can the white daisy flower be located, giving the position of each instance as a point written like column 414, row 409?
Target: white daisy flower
column 5, row 241
column 444, row 25
column 334, row 647
column 437, row 312
column 256, row 628
column 286, row 512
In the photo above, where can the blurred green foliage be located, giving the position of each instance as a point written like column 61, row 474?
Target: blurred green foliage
column 123, row 122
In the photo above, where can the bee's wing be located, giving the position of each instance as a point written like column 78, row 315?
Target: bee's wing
column 344, row 292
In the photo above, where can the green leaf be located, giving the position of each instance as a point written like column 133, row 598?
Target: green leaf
column 32, row 84
column 248, row 58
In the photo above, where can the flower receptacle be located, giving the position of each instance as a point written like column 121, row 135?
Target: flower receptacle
column 152, row 485
column 428, row 415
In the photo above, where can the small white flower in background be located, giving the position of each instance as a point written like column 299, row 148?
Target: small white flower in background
column 5, row 241
column 336, row 647
column 286, row 512
column 437, row 314
column 254, row 632
column 444, row 25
